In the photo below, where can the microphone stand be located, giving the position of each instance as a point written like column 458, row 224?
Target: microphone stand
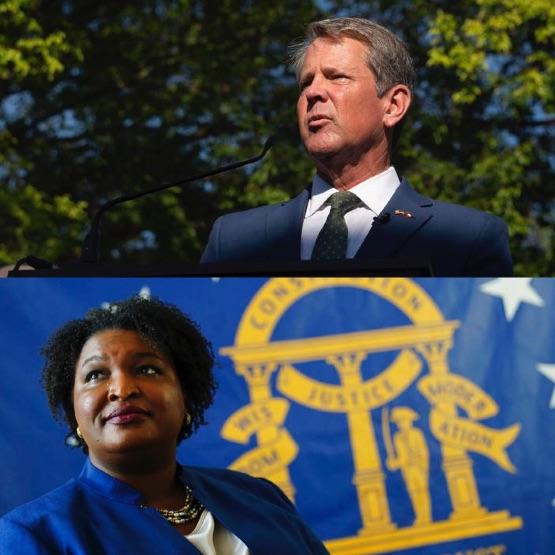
column 89, row 256
column 89, row 253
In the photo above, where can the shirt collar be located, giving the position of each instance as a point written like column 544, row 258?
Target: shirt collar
column 106, row 485
column 375, row 192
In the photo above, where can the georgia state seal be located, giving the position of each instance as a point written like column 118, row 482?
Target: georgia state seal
column 386, row 436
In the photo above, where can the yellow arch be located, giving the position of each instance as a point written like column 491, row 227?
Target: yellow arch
column 278, row 294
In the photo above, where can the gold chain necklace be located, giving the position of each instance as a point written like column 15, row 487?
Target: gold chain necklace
column 190, row 510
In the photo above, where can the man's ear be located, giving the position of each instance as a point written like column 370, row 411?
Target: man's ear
column 397, row 102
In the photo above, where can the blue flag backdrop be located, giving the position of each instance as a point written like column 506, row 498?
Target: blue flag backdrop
column 399, row 415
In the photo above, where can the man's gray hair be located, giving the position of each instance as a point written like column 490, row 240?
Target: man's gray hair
column 386, row 55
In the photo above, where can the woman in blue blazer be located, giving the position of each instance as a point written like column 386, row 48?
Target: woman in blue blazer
column 131, row 381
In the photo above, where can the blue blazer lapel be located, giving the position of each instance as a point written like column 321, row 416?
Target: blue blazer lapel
column 284, row 225
column 387, row 237
column 248, row 509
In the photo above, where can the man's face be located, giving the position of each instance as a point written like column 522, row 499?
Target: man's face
column 339, row 113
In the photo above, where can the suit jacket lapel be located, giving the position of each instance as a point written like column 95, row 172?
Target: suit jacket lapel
column 235, row 507
column 284, row 225
column 387, row 237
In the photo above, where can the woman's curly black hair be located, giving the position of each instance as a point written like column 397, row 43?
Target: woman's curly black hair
column 161, row 324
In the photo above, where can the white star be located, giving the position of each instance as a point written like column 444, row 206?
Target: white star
column 548, row 370
column 513, row 291
column 144, row 293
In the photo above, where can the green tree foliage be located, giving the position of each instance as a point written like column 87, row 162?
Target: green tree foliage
column 166, row 88
column 30, row 217
column 25, row 50
column 501, row 52
column 482, row 129
column 114, row 97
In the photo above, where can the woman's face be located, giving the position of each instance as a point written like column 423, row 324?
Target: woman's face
column 126, row 396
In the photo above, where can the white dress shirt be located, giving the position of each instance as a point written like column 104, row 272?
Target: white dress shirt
column 211, row 538
column 375, row 193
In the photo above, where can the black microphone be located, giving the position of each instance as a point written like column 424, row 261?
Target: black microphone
column 90, row 245
column 383, row 218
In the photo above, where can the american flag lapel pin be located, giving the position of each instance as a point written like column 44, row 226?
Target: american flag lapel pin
column 404, row 213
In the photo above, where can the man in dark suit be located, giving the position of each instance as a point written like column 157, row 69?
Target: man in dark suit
column 355, row 81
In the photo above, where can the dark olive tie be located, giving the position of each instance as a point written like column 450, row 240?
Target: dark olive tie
column 331, row 243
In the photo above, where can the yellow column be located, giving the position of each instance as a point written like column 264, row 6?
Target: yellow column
column 457, row 465
column 369, row 478
column 258, row 377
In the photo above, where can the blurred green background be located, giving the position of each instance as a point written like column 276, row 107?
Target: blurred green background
column 98, row 99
